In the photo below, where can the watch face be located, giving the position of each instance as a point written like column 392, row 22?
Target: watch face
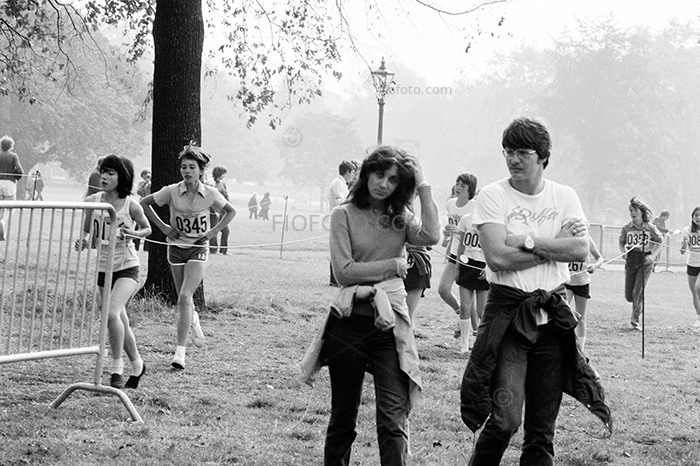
column 529, row 243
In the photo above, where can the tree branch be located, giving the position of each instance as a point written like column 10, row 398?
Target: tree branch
column 476, row 7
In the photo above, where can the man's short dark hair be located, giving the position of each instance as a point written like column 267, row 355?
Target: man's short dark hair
column 527, row 133
column 345, row 167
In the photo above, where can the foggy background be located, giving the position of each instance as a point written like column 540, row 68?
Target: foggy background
column 621, row 102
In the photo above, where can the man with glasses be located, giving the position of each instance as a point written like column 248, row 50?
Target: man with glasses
column 525, row 353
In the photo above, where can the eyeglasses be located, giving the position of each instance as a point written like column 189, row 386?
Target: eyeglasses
column 522, row 154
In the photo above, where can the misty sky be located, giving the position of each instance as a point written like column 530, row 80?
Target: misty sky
column 435, row 46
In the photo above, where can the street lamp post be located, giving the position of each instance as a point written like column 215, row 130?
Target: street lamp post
column 382, row 79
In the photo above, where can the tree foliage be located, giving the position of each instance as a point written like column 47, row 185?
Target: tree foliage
column 74, row 121
column 278, row 54
column 313, row 146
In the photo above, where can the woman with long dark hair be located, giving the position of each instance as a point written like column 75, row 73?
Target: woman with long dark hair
column 367, row 242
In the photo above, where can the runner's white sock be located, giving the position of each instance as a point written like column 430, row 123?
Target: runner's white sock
column 137, row 367
column 117, row 366
column 465, row 327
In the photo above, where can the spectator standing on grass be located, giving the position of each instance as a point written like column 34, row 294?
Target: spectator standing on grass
column 142, row 190
column 215, row 215
column 579, row 287
column 691, row 245
column 116, row 180
column 11, row 172
column 461, row 204
column 35, row 187
column 640, row 240
column 253, row 206
column 471, row 279
column 525, row 352
column 660, row 224
column 337, row 192
column 265, row 204
column 367, row 238
column 188, row 233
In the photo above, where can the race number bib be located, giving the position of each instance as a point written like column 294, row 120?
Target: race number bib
column 471, row 240
column 102, row 229
column 575, row 267
column 637, row 238
column 195, row 224
column 693, row 241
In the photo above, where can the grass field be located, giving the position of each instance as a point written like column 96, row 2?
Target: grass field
column 240, row 401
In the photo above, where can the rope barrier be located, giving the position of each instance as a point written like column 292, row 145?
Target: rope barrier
column 459, row 261
column 240, row 246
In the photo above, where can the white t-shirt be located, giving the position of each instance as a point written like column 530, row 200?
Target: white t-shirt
column 470, row 239
column 540, row 215
column 692, row 244
column 454, row 215
column 337, row 192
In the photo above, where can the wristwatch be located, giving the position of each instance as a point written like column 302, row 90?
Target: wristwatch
column 529, row 243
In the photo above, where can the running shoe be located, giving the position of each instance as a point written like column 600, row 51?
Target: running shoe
column 178, row 363
column 697, row 323
column 196, row 331
column 116, row 381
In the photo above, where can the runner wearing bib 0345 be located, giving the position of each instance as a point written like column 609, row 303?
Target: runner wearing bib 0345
column 190, row 217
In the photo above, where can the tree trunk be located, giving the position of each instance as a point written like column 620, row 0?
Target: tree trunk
column 178, row 36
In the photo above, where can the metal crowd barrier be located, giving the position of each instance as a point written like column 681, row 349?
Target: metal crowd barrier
column 49, row 300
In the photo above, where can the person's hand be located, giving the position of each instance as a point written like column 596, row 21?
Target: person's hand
column 402, row 267
column 80, row 244
column 449, row 229
column 591, row 268
column 412, row 163
column 171, row 232
column 125, row 231
column 573, row 227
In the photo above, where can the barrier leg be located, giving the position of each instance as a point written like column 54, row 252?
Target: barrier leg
column 99, row 389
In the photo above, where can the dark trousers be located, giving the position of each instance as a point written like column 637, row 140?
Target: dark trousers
column 530, row 375
column 213, row 243
column 350, row 344
column 638, row 268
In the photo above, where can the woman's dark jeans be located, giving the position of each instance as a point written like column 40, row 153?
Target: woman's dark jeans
column 531, row 375
column 350, row 345
column 638, row 268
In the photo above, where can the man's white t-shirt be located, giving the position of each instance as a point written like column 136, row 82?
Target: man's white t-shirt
column 539, row 215
column 454, row 214
column 337, row 192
